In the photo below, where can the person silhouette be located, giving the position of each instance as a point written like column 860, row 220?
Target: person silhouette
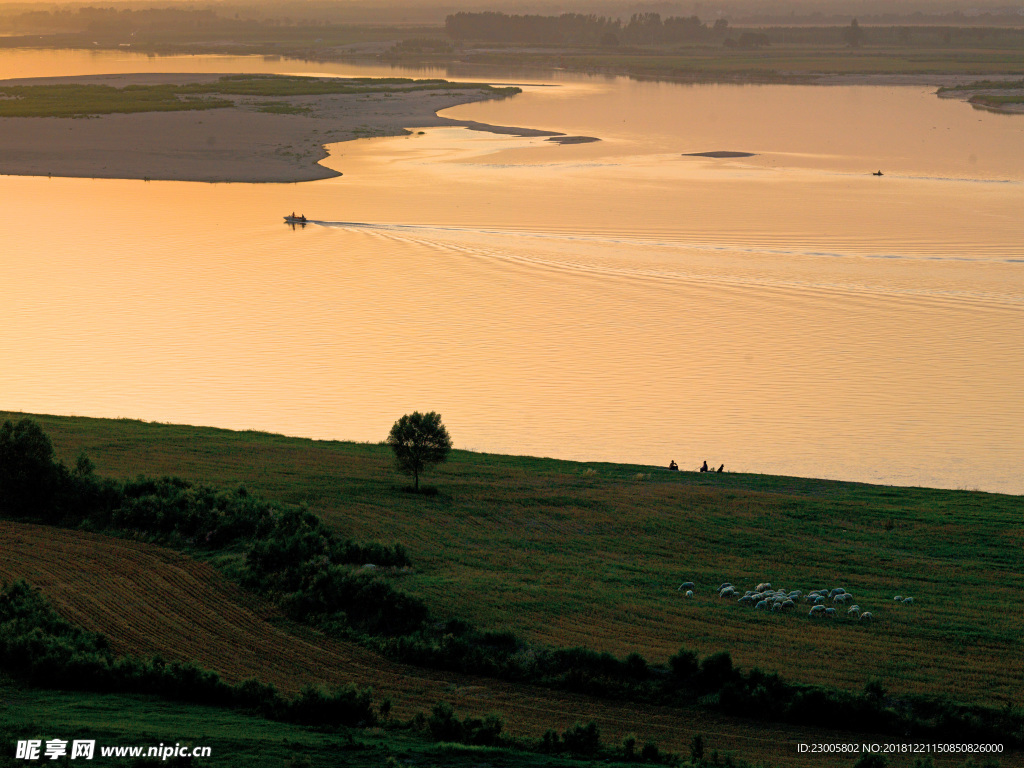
column 705, row 467
column 720, row 468
column 673, row 466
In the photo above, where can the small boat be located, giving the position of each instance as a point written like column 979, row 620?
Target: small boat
column 877, row 173
column 293, row 219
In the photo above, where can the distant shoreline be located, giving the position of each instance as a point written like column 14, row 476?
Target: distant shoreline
column 234, row 144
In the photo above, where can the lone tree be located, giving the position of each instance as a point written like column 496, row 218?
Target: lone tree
column 419, row 440
column 853, row 35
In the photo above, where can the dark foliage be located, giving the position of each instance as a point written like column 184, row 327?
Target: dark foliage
column 444, row 725
column 40, row 648
column 582, row 739
column 289, row 553
column 577, row 29
column 43, row 649
column 29, row 478
column 348, row 704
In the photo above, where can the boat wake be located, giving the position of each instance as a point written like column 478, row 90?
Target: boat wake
column 689, row 242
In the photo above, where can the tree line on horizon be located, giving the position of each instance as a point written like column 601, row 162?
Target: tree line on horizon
column 581, row 28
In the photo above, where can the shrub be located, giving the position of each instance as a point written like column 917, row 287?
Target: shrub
column 582, row 739
column 683, row 667
column 442, row 723
column 697, row 749
column 629, row 747
column 650, row 753
column 347, row 705
column 715, row 671
column 30, row 480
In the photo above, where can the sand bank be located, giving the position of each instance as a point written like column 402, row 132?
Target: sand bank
column 236, row 144
column 719, row 153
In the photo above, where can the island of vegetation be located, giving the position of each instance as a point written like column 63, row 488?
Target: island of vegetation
column 245, row 128
column 1005, row 96
column 285, row 597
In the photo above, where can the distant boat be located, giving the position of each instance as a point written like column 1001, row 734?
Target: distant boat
column 293, row 219
column 877, row 173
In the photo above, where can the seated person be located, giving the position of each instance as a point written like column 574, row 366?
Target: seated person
column 673, row 466
column 705, row 467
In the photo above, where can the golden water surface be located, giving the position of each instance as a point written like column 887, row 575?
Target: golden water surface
column 785, row 313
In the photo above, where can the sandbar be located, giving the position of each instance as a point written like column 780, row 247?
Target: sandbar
column 721, row 153
column 234, row 144
column 573, row 139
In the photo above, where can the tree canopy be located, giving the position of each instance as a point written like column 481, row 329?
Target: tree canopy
column 419, row 440
column 853, row 35
column 29, row 476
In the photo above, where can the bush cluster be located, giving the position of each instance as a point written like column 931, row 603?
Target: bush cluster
column 443, row 725
column 290, row 553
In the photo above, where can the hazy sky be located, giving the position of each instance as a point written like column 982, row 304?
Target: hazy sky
column 549, row 6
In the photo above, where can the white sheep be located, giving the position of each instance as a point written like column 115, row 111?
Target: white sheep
column 724, row 585
column 761, row 606
column 853, row 610
column 687, row 585
column 689, row 593
column 727, row 592
column 763, row 586
column 817, row 610
column 898, row 599
column 908, row 601
column 866, row 617
column 831, row 612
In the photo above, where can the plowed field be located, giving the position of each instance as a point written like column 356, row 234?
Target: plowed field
column 148, row 600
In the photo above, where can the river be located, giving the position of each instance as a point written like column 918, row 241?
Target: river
column 622, row 300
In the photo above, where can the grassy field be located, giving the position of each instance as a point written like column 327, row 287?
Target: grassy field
column 235, row 739
column 80, row 100
column 576, row 554
column 563, row 553
column 149, row 600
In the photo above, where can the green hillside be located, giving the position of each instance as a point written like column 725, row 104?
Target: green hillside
column 568, row 554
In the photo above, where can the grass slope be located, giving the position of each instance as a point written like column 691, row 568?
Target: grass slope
column 569, row 553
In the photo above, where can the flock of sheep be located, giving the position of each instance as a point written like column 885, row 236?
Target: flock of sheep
column 764, row 598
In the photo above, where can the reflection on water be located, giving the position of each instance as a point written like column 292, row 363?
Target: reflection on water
column 786, row 313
